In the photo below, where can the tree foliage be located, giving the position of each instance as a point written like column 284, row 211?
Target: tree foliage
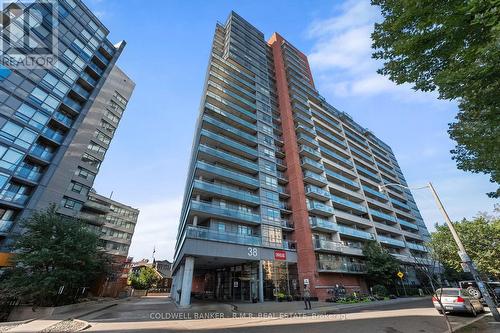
column 144, row 279
column 380, row 265
column 481, row 239
column 53, row 251
column 452, row 47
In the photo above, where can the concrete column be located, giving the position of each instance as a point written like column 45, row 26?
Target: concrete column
column 195, row 220
column 178, row 283
column 187, row 282
column 261, row 282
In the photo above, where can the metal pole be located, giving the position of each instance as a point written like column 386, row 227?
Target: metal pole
column 466, row 259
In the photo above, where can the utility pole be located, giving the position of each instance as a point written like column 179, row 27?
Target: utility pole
column 466, row 259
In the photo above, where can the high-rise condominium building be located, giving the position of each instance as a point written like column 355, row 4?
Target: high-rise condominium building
column 56, row 124
column 282, row 189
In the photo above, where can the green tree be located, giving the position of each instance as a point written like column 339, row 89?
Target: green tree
column 380, row 265
column 53, row 251
column 451, row 47
column 481, row 238
column 144, row 279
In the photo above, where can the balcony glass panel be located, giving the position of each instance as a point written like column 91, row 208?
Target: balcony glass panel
column 317, row 190
column 383, row 215
column 375, row 192
column 335, row 155
column 408, row 224
column 311, row 204
column 5, row 226
column 227, row 173
column 348, row 203
column 14, row 197
column 355, row 232
column 226, row 191
column 391, row 241
column 214, row 235
column 229, row 157
column 337, row 266
column 322, row 223
column 229, row 142
column 216, row 209
column 322, row 244
column 417, row 247
column 341, row 178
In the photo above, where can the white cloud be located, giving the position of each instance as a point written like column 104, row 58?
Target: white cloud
column 342, row 49
column 157, row 227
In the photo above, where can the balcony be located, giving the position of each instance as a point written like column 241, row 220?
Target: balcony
column 309, row 152
column 5, row 226
column 88, row 79
column 312, row 165
column 391, row 241
column 327, row 245
column 319, row 208
column 341, row 267
column 317, row 193
column 305, row 129
column 407, row 224
column 322, row 224
column 97, row 206
column 383, row 216
column 360, row 153
column 96, row 69
column 348, row 231
column 214, row 209
column 341, row 178
column 336, row 157
column 14, row 197
column 227, row 174
column 80, row 91
column 237, row 162
column 230, row 116
column 62, row 119
column 28, row 174
column 197, row 232
column 346, row 203
column 73, row 105
column 367, row 173
column 315, row 179
column 350, row 217
column 42, row 153
column 53, row 135
column 417, row 247
column 307, row 140
column 102, row 58
column 375, row 193
column 226, row 192
column 230, row 145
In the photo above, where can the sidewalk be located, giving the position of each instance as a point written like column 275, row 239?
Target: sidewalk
column 44, row 324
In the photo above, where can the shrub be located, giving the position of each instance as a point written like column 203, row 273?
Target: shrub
column 379, row 290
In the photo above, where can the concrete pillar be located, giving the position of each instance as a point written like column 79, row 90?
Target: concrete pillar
column 178, row 283
column 261, row 282
column 187, row 282
column 195, row 220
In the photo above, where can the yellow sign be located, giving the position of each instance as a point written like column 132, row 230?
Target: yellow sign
column 400, row 275
column 5, row 259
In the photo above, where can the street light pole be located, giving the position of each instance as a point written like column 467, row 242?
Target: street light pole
column 462, row 252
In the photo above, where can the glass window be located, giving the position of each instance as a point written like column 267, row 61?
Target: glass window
column 10, row 157
column 17, row 134
column 31, row 116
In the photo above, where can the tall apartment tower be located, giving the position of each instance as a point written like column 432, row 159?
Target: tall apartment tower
column 282, row 188
column 56, row 124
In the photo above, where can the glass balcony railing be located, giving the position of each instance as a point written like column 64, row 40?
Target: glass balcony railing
column 307, row 138
column 226, row 191
column 313, row 163
column 319, row 206
column 331, row 137
column 341, row 267
column 226, row 173
column 72, row 104
column 96, row 68
column 315, row 176
column 232, row 117
column 53, row 135
column 89, row 79
column 62, row 118
column 102, row 58
column 375, row 192
column 355, row 232
column 327, row 245
column 336, row 156
column 347, row 203
column 360, row 153
column 341, row 178
column 229, row 157
column 14, row 197
column 214, row 235
column 391, row 241
column 316, row 190
column 408, row 224
column 229, row 128
column 307, row 129
column 229, row 142
column 400, row 203
column 300, row 117
column 28, row 173
column 224, row 211
column 417, row 247
column 383, row 215
column 309, row 150
column 42, row 153
column 5, row 226
column 367, row 172
column 80, row 91
column 320, row 223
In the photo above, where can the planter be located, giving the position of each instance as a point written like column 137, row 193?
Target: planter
column 139, row 292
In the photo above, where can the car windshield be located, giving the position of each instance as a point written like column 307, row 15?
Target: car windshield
column 448, row 292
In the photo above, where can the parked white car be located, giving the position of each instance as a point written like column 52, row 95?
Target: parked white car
column 456, row 300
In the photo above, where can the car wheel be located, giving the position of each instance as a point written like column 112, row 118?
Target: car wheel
column 474, row 292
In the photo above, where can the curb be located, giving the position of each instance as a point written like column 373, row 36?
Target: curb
column 94, row 311
column 467, row 324
column 87, row 325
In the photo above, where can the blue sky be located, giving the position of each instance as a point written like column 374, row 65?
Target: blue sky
column 167, row 54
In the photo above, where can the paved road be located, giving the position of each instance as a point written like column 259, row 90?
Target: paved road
column 135, row 316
